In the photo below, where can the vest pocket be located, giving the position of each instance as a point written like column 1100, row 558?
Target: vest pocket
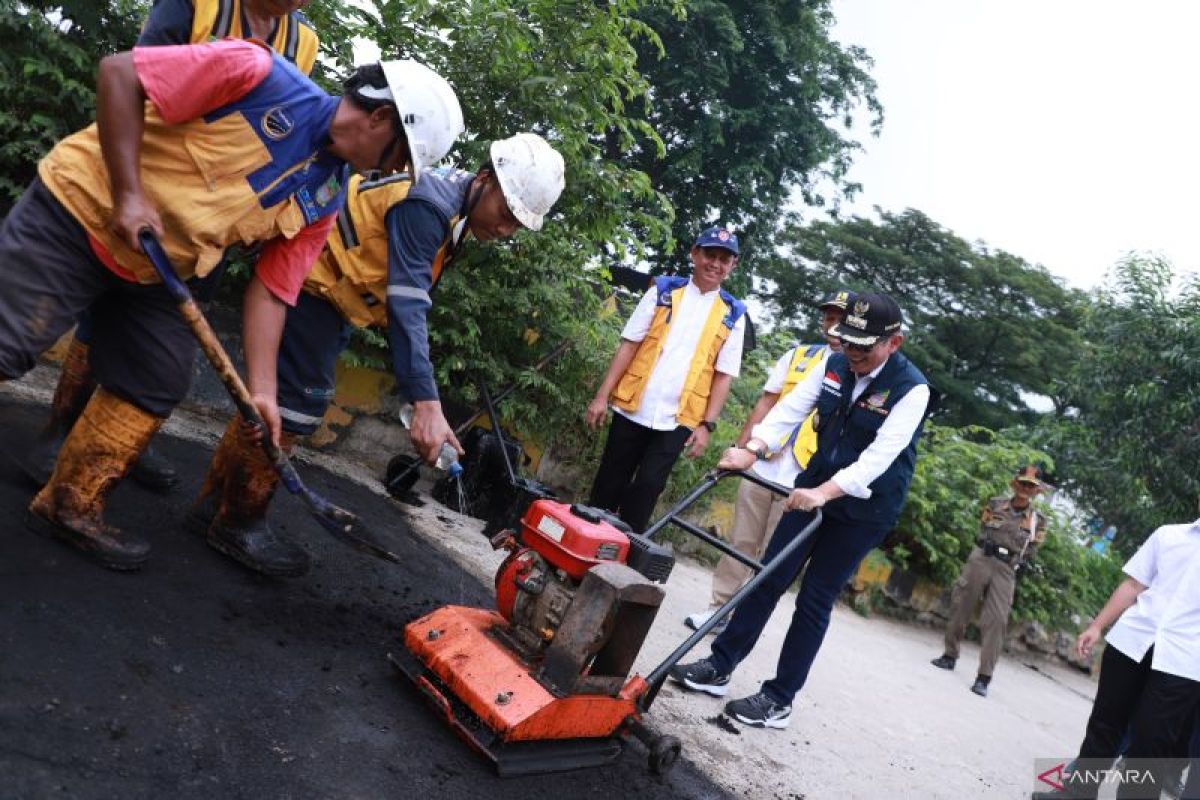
column 225, row 149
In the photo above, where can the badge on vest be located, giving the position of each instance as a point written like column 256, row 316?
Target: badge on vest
column 328, row 191
column 832, row 383
column 277, row 123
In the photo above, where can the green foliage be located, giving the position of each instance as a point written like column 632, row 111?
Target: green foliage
column 958, row 470
column 751, row 99
column 48, row 55
column 987, row 328
column 1130, row 442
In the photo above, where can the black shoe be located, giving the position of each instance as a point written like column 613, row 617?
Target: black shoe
column 154, row 472
column 980, row 686
column 759, row 711
column 701, row 676
column 944, row 662
column 257, row 547
column 109, row 546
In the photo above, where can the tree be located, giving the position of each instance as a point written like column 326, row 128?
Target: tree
column 751, row 99
column 48, row 57
column 987, row 328
column 1130, row 441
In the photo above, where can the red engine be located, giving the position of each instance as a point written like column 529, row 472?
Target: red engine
column 557, row 546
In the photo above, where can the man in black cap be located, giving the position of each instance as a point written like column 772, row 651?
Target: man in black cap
column 1010, row 532
column 870, row 403
column 757, row 510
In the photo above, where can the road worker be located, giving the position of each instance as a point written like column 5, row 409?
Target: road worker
column 205, row 145
column 394, row 239
column 281, row 24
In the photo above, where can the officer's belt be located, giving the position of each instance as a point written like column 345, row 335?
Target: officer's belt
column 996, row 551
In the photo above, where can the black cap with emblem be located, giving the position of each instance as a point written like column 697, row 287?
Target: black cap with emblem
column 839, row 299
column 869, row 318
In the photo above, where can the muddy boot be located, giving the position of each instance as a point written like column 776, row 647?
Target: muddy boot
column 74, row 389
column 154, row 472
column 247, row 482
column 208, row 502
column 105, row 441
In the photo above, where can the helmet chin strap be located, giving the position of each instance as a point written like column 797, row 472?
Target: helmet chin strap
column 398, row 138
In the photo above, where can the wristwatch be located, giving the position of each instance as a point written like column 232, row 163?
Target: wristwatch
column 758, row 454
column 711, row 427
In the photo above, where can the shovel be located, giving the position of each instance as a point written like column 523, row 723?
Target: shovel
column 338, row 522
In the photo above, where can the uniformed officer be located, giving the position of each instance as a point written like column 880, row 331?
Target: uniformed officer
column 1010, row 533
column 280, row 24
column 225, row 128
column 394, row 239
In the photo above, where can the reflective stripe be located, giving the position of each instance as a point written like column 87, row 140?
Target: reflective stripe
column 224, row 23
column 346, row 229
column 293, row 38
column 409, row 291
column 296, row 416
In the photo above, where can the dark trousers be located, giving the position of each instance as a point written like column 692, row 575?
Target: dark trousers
column 634, row 469
column 831, row 553
column 314, row 335
column 143, row 349
column 1157, row 707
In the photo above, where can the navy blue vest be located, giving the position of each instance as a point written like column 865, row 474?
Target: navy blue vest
column 845, row 430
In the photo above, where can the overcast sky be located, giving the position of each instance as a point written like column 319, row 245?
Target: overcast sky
column 1063, row 131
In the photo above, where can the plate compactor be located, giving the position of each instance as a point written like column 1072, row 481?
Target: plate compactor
column 542, row 683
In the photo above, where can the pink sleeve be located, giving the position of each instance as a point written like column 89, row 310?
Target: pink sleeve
column 284, row 263
column 187, row 81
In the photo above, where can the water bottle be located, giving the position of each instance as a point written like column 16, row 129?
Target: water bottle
column 447, row 459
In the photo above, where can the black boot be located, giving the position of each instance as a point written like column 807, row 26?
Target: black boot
column 256, row 546
column 980, row 686
column 154, row 472
column 74, row 389
column 944, row 662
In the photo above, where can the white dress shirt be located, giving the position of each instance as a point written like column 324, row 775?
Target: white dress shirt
column 1167, row 613
column 892, row 437
column 782, row 467
column 660, row 400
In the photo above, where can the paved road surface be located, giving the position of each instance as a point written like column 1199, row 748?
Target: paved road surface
column 196, row 678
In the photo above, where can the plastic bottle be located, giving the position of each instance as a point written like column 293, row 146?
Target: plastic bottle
column 447, row 459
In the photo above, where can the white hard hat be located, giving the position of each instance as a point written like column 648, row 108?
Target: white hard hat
column 428, row 108
column 530, row 172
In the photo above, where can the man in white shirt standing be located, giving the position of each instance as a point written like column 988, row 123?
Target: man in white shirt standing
column 1150, row 671
column 757, row 510
column 870, row 403
column 679, row 353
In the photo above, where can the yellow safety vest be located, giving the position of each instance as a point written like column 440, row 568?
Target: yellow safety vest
column 217, row 19
column 352, row 272
column 693, row 400
column 198, row 174
column 804, row 437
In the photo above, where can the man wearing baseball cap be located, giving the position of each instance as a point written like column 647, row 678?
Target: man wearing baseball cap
column 869, row 405
column 680, row 351
column 757, row 510
column 1010, row 532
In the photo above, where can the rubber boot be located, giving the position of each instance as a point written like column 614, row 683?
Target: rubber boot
column 74, row 389
column 239, row 486
column 102, row 446
column 154, row 472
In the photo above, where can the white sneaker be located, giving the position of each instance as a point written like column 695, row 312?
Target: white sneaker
column 694, row 621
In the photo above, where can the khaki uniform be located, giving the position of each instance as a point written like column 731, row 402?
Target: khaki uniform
column 1003, row 532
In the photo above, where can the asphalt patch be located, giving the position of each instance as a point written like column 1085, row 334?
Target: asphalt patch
column 724, row 723
column 196, row 678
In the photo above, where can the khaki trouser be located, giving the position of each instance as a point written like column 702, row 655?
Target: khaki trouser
column 981, row 574
column 755, row 516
